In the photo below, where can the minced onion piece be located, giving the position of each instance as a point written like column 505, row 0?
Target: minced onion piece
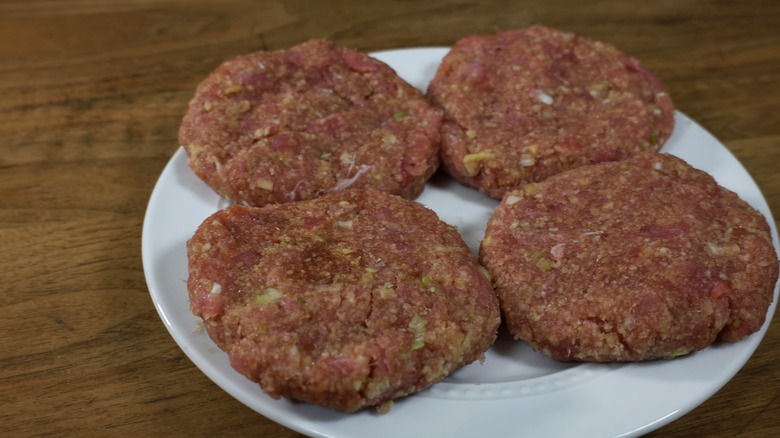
column 513, row 199
column 472, row 161
column 269, row 295
column 387, row 292
column 527, row 160
column 233, row 89
column 265, row 184
column 485, row 272
column 418, row 325
column 345, row 224
column 544, row 97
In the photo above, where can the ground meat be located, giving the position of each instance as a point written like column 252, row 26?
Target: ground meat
column 639, row 259
column 346, row 301
column 289, row 125
column 523, row 105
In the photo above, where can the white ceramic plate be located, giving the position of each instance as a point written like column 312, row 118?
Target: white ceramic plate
column 515, row 392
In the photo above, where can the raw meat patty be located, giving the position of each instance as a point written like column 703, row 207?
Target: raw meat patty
column 346, row 301
column 632, row 260
column 289, row 125
column 523, row 105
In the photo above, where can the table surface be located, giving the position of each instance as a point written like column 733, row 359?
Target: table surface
column 92, row 96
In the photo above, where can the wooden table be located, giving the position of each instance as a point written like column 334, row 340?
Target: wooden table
column 91, row 96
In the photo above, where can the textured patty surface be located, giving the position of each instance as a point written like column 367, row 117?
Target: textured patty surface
column 523, row 105
column 639, row 259
column 289, row 125
column 346, row 301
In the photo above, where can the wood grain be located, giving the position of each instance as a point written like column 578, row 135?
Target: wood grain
column 92, row 96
